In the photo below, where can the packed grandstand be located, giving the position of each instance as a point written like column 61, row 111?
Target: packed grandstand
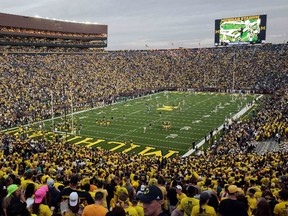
column 36, row 62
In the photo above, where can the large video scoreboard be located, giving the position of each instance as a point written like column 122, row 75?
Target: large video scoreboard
column 240, row 30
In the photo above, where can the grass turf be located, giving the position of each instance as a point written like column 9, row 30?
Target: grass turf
column 192, row 117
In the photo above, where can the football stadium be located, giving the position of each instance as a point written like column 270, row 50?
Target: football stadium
column 108, row 124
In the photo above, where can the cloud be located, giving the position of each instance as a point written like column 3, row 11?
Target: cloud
column 132, row 23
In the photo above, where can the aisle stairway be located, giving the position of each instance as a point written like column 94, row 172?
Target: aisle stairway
column 267, row 146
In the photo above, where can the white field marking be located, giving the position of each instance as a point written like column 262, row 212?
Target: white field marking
column 124, row 134
column 173, row 136
column 147, row 138
column 131, row 131
column 83, row 117
column 135, row 112
column 185, row 128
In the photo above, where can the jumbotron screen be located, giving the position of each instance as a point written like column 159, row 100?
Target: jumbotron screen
column 240, row 30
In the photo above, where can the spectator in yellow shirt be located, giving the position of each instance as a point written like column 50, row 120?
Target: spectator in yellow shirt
column 203, row 208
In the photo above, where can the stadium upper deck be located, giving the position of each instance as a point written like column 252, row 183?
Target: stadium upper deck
column 26, row 31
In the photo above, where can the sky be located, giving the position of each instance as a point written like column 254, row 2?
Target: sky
column 157, row 24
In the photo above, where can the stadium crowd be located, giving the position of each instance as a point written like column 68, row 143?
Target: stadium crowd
column 36, row 180
column 29, row 82
column 48, row 41
column 39, row 41
column 45, row 33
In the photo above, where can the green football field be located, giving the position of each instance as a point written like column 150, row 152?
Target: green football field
column 136, row 126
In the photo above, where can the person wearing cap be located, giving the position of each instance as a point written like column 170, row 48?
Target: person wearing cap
column 231, row 206
column 203, row 208
column 96, row 208
column 187, row 203
column 53, row 193
column 40, row 207
column 15, row 196
column 73, row 209
column 73, row 187
column 152, row 200
column 180, row 194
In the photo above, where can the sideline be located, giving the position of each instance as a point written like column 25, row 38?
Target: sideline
column 81, row 111
column 235, row 117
